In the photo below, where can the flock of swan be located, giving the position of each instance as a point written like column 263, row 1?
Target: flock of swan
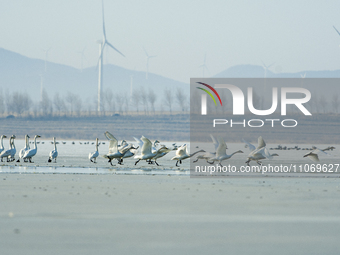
column 150, row 152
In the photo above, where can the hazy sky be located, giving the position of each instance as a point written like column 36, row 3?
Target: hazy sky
column 296, row 35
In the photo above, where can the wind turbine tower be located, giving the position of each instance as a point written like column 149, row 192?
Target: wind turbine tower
column 204, row 66
column 102, row 45
column 147, row 62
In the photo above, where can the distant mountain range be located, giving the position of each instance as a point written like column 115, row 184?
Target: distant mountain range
column 20, row 73
column 254, row 71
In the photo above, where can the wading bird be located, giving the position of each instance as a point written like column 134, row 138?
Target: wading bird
column 93, row 155
column 26, row 148
column 53, row 153
column 32, row 152
column 11, row 151
column 2, row 143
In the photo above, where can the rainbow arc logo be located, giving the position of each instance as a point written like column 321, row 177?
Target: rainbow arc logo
column 209, row 93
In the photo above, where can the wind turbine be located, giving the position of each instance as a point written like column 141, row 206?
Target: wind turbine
column 265, row 67
column 147, row 62
column 337, row 31
column 204, row 66
column 102, row 44
column 303, row 76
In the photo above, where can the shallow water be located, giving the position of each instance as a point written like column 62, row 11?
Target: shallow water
column 73, row 159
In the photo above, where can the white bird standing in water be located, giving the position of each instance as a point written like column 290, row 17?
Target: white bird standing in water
column 8, row 153
column 31, row 153
column 26, row 148
column 53, row 153
column 2, row 143
column 94, row 155
column 14, row 150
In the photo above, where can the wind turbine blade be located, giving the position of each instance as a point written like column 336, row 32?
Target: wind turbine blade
column 152, row 56
column 336, row 30
column 104, row 33
column 264, row 65
column 114, row 49
column 146, row 53
column 270, row 65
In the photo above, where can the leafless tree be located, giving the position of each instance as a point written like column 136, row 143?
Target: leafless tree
column 59, row 103
column 257, row 101
column 335, row 102
column 315, row 103
column 35, row 109
column 88, row 106
column 136, row 99
column 323, row 103
column 71, row 100
column 152, row 99
column 126, row 103
column 168, row 98
column 2, row 103
column 144, row 99
column 120, row 103
column 181, row 99
column 195, row 102
column 109, row 100
column 19, row 103
column 78, row 105
column 45, row 104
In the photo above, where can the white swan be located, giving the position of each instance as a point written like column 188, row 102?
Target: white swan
column 7, row 153
column 114, row 152
column 261, row 152
column 314, row 154
column 249, row 145
column 162, row 151
column 208, row 155
column 2, row 143
column 14, row 150
column 95, row 154
column 183, row 153
column 26, row 148
column 221, row 153
column 31, row 153
column 53, row 153
column 146, row 152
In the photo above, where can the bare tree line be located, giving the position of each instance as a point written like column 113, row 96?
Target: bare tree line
column 140, row 102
